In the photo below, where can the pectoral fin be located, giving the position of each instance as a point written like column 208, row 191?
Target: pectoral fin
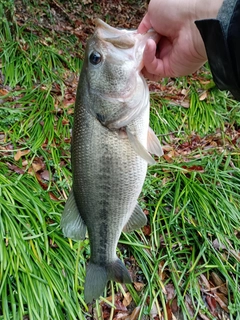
column 137, row 220
column 139, row 148
column 71, row 222
column 153, row 144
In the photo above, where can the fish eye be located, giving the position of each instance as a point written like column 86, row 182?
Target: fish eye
column 95, row 58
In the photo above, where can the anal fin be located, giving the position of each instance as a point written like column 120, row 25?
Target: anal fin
column 71, row 222
column 137, row 220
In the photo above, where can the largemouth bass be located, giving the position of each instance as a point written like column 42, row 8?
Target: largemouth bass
column 110, row 151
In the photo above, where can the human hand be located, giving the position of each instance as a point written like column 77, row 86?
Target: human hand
column 180, row 50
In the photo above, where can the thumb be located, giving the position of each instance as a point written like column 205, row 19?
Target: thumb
column 145, row 24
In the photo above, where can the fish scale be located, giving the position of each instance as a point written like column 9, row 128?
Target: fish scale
column 111, row 136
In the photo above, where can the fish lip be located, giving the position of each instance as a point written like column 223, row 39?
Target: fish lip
column 125, row 39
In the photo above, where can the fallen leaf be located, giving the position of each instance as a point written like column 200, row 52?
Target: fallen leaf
column 189, row 305
column 204, row 282
column 127, row 299
column 135, row 313
column 20, row 153
column 185, row 104
column 221, row 286
column 52, row 196
column 147, row 230
column 3, row 92
column 53, row 244
column 169, row 311
column 122, row 316
column 194, row 168
column 170, row 290
column 45, row 175
column 222, row 301
column 162, row 274
column 36, row 167
column 174, row 306
column 138, row 286
column 211, row 301
column 15, row 168
column 203, row 316
column 203, row 96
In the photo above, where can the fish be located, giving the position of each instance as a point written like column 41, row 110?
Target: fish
column 111, row 147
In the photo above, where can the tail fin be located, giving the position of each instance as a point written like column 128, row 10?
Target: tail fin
column 95, row 282
column 118, row 272
column 97, row 277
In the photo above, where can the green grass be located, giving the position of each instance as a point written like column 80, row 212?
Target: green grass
column 192, row 194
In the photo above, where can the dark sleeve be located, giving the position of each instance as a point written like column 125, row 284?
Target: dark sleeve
column 221, row 37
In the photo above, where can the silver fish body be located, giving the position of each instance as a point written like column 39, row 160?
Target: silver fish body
column 111, row 137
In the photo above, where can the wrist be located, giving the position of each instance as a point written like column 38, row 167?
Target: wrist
column 207, row 9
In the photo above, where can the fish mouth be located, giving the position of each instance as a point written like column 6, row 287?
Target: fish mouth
column 126, row 39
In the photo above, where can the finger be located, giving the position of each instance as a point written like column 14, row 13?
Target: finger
column 150, row 76
column 151, row 63
column 145, row 24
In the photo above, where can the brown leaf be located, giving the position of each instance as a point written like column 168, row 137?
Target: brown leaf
column 52, row 196
column 222, row 301
column 170, row 291
column 3, row 92
column 189, row 305
column 147, row 230
column 211, row 301
column 20, row 153
column 36, row 166
column 53, row 244
column 203, row 96
column 203, row 316
column 162, row 274
column 119, row 306
column 138, row 286
column 45, row 175
column 185, row 104
column 174, row 306
column 221, row 286
column 127, row 299
column 205, row 285
column 122, row 316
column 194, row 168
column 169, row 311
column 135, row 313
column 15, row 168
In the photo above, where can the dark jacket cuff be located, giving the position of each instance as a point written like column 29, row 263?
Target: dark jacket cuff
column 223, row 51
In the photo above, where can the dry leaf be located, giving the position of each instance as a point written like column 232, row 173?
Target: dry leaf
column 138, row 286
column 203, row 316
column 205, row 283
column 221, row 286
column 127, row 299
column 153, row 311
column 170, row 291
column 203, row 96
column 147, row 230
column 185, row 104
column 36, row 167
column 135, row 313
column 45, row 175
column 211, row 301
column 15, row 168
column 20, row 153
column 222, row 301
